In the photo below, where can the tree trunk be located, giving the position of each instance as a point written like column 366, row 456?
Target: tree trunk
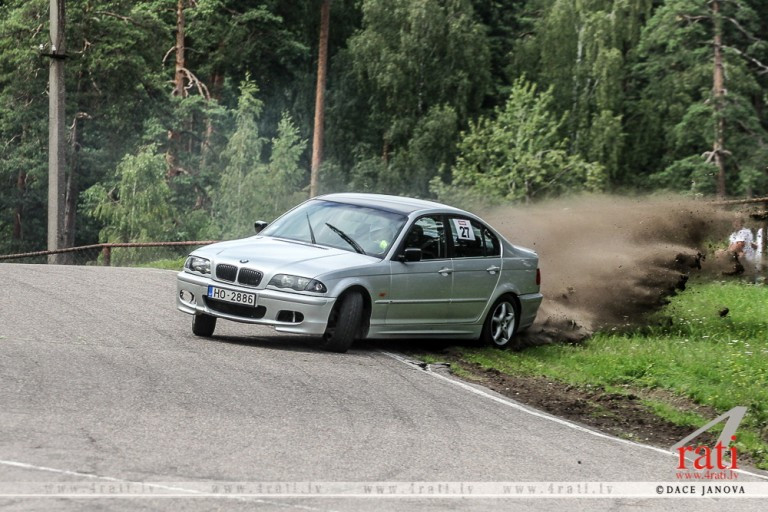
column 70, row 209
column 718, row 92
column 217, row 84
column 178, row 80
column 72, row 192
column 174, row 137
column 322, row 66
column 21, row 187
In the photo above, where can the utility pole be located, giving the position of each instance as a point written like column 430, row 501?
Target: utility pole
column 56, row 132
column 322, row 66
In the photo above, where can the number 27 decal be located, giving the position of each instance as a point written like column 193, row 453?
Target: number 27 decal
column 463, row 229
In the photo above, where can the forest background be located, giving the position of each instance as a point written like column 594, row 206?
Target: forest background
column 190, row 119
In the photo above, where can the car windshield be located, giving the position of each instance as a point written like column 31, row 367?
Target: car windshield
column 343, row 226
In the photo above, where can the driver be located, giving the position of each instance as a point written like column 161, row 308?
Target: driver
column 378, row 240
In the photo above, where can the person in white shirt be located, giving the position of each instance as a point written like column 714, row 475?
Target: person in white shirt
column 743, row 246
column 742, row 242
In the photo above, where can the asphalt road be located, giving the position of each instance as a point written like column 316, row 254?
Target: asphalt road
column 103, row 384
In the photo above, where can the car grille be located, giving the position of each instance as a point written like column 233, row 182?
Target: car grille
column 235, row 309
column 246, row 276
column 226, row 272
column 249, row 277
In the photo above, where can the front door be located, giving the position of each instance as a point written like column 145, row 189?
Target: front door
column 421, row 290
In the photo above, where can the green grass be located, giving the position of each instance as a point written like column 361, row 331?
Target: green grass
column 687, row 349
column 165, row 264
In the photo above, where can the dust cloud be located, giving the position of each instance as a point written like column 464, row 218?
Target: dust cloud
column 606, row 261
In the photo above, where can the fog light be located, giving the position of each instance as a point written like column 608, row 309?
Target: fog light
column 293, row 317
column 187, row 297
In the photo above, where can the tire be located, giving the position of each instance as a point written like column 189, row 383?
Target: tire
column 344, row 323
column 501, row 323
column 203, row 325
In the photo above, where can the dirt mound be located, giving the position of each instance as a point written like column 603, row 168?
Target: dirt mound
column 606, row 261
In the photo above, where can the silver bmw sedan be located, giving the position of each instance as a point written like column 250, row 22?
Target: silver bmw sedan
column 353, row 266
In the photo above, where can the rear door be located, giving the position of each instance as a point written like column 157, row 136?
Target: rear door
column 476, row 253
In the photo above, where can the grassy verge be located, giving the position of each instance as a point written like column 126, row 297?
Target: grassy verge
column 165, row 264
column 688, row 350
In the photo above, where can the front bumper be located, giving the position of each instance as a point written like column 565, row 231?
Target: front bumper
column 299, row 314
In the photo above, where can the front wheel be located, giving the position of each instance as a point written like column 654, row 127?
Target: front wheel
column 344, row 323
column 203, row 325
column 501, row 323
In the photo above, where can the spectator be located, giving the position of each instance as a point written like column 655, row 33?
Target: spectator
column 743, row 247
column 742, row 243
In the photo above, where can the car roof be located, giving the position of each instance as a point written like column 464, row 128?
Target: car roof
column 404, row 205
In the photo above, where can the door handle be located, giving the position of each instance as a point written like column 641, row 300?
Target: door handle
column 493, row 269
column 445, row 271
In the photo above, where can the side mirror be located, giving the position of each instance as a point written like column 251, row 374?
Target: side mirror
column 259, row 225
column 412, row 254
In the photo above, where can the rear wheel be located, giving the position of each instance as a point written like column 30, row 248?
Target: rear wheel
column 203, row 325
column 501, row 324
column 344, row 323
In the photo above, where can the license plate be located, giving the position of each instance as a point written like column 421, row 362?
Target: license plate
column 248, row 299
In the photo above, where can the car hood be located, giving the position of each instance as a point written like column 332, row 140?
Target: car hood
column 278, row 256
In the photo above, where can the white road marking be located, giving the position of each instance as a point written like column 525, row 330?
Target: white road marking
column 186, row 492
column 410, row 362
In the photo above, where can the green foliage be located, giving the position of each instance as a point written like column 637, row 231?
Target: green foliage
column 675, row 113
column 230, row 33
column 23, row 128
column 137, row 209
column 417, row 69
column 165, row 264
column 251, row 188
column 111, row 89
column 580, row 49
column 505, row 22
column 625, row 102
column 519, row 154
column 284, row 169
column 692, row 174
column 423, row 157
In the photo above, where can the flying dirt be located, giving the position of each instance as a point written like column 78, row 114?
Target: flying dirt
column 607, row 261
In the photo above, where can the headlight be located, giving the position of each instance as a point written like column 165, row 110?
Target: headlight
column 199, row 265
column 298, row 283
column 316, row 286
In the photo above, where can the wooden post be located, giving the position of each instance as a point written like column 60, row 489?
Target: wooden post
column 106, row 253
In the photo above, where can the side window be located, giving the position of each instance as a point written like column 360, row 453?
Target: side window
column 471, row 239
column 427, row 234
column 491, row 243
